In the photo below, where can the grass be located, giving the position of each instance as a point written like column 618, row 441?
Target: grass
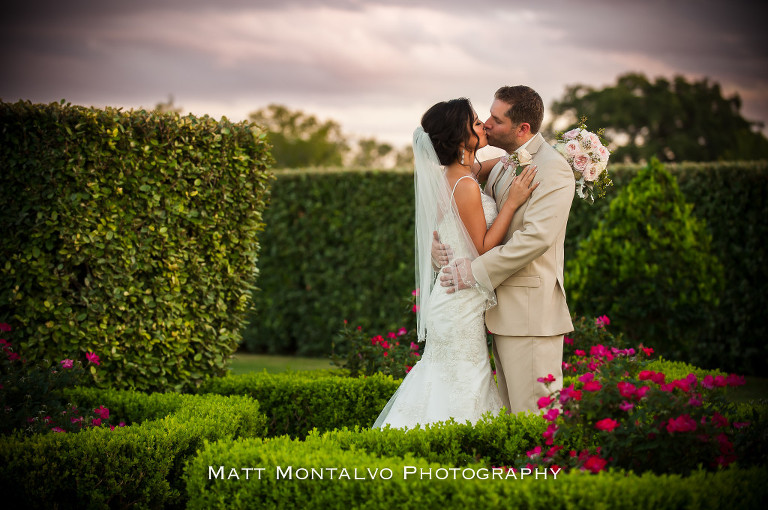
column 243, row 363
column 756, row 388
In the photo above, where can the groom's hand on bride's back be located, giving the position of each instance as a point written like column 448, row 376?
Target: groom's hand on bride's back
column 457, row 275
column 441, row 253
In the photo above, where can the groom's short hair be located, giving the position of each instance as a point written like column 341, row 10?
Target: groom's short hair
column 526, row 105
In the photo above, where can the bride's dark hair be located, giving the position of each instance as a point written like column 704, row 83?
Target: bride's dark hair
column 449, row 124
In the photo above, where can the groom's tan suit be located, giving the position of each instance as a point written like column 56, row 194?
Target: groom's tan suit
column 526, row 271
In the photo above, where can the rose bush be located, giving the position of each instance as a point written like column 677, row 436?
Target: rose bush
column 620, row 414
column 30, row 395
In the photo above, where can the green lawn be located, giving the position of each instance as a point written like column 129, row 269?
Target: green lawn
column 243, row 363
column 756, row 388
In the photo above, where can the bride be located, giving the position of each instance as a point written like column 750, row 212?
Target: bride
column 453, row 379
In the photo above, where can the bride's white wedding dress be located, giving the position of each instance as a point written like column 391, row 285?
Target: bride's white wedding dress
column 453, row 379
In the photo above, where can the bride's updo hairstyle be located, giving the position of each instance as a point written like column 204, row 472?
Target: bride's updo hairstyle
column 449, row 125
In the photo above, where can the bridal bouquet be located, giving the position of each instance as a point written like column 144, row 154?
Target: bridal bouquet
column 588, row 158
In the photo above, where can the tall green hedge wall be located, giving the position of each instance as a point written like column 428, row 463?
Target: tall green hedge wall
column 132, row 235
column 339, row 245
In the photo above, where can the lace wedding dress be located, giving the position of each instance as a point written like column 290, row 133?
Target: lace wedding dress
column 453, row 379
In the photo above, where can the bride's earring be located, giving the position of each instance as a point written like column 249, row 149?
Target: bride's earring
column 462, row 156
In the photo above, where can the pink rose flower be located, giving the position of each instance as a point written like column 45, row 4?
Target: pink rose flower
column 66, row 363
column 591, row 172
column 602, row 321
column 544, row 402
column 606, row 424
column 548, row 379
column 92, row 358
column 391, row 334
column 96, row 422
column 593, row 386
column 415, row 292
column 626, row 406
column 4, row 327
column 533, row 453
column 102, row 412
column 573, row 133
column 572, row 148
column 401, row 331
column 719, row 421
column 595, row 464
column 552, row 414
column 626, row 389
column 683, row 423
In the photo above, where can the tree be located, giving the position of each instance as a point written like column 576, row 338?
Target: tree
column 671, row 120
column 300, row 140
column 371, row 153
column 167, row 106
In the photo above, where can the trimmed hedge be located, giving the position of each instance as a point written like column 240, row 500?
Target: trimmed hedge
column 363, row 222
column 337, row 245
column 129, row 234
column 737, row 488
column 297, row 402
column 138, row 465
column 493, row 440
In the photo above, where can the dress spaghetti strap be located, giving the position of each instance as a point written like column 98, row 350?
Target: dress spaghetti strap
column 457, row 183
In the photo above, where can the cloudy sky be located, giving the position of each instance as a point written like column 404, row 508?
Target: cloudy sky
column 372, row 65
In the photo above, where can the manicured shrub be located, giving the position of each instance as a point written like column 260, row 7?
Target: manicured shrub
column 338, row 245
column 493, row 440
column 649, row 266
column 297, row 402
column 215, row 479
column 131, row 234
column 140, row 465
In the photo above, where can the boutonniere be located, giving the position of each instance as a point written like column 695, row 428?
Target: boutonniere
column 517, row 159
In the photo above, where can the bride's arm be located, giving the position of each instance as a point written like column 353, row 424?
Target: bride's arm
column 467, row 196
column 483, row 169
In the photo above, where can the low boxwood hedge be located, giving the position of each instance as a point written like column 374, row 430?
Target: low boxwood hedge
column 318, row 474
column 297, row 402
column 138, row 465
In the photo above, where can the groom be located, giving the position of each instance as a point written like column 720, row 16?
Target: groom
column 527, row 270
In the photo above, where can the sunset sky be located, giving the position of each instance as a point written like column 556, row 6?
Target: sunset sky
column 373, row 66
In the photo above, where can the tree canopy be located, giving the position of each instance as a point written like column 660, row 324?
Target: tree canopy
column 673, row 120
column 299, row 139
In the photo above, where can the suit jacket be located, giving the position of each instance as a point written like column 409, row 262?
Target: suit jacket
column 527, row 270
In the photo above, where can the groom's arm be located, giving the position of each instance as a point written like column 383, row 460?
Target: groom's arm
column 545, row 217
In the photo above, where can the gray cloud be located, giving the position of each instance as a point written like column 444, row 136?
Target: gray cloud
column 375, row 65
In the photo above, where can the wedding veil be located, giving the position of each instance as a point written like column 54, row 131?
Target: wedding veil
column 434, row 202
